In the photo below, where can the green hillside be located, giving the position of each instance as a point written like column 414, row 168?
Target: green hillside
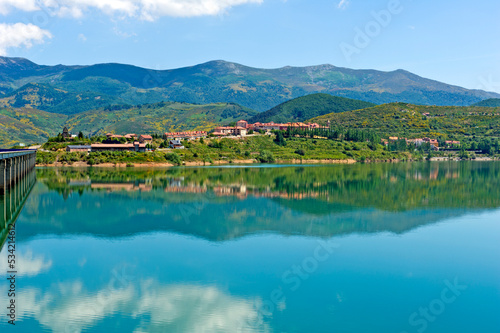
column 307, row 107
column 158, row 118
column 47, row 98
column 28, row 126
column 492, row 103
column 400, row 119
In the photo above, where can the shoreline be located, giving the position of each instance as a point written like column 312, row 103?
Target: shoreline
column 190, row 164
column 240, row 162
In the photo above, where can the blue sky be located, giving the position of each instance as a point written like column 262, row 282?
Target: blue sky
column 456, row 42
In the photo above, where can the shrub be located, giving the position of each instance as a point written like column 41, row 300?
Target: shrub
column 173, row 158
column 266, row 156
column 300, row 152
column 215, row 144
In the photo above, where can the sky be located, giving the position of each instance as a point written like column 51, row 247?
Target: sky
column 452, row 41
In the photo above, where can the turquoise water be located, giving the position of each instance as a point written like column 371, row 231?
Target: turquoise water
column 364, row 248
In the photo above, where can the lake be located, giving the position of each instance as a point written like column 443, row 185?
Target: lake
column 409, row 247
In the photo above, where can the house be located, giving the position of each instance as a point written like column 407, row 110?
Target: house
column 242, row 127
column 186, row 135
column 432, row 142
column 145, row 138
column 452, row 143
column 176, row 144
column 228, row 130
column 130, row 136
column 135, row 147
column 139, row 147
column 242, row 123
column 82, row 149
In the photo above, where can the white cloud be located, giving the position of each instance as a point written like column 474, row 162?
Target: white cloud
column 82, row 37
column 144, row 9
column 26, row 265
column 123, row 34
column 343, row 4
column 20, row 34
column 69, row 307
column 26, row 5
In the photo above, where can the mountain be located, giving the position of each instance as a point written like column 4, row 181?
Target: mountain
column 221, row 81
column 30, row 126
column 412, row 121
column 47, row 98
column 492, row 103
column 307, row 107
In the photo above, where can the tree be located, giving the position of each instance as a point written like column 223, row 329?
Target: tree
column 80, row 135
column 279, row 139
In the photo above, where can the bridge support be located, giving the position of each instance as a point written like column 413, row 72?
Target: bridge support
column 17, row 178
column 14, row 165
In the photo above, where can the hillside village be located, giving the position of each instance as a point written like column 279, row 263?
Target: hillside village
column 173, row 140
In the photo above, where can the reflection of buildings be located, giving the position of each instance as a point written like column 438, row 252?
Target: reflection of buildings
column 432, row 175
column 176, row 185
column 129, row 187
column 243, row 191
column 144, row 186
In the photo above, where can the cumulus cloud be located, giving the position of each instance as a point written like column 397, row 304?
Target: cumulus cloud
column 26, row 5
column 144, row 9
column 20, row 34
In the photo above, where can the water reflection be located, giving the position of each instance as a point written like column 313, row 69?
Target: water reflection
column 151, row 307
column 12, row 202
column 221, row 204
column 206, row 249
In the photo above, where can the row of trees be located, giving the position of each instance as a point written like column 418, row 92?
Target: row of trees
column 333, row 133
column 338, row 133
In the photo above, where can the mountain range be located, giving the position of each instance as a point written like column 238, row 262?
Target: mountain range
column 73, row 89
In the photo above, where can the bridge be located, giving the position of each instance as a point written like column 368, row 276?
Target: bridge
column 14, row 165
column 17, row 178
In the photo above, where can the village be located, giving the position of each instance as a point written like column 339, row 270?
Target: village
column 142, row 143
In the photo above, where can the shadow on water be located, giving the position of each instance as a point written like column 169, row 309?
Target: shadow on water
column 226, row 203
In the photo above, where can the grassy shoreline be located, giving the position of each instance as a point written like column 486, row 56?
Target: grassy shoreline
column 249, row 150
column 256, row 149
